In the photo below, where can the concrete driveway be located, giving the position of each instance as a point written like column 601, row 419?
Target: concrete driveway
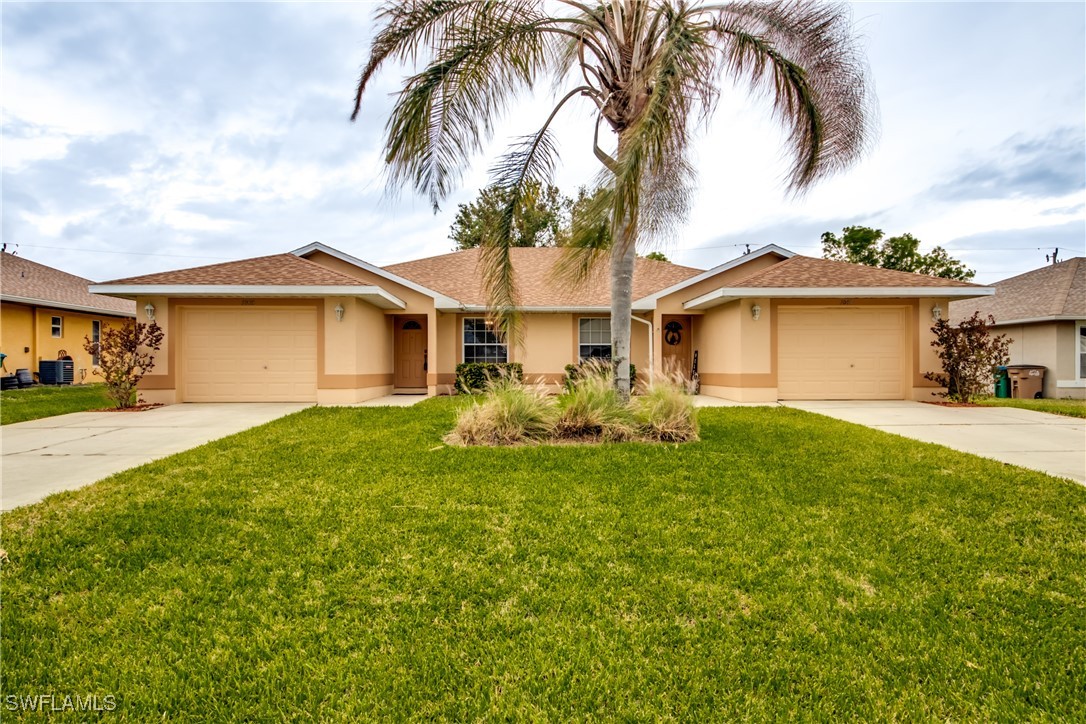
column 1053, row 444
column 46, row 456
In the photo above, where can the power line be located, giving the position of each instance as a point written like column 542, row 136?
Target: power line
column 111, row 251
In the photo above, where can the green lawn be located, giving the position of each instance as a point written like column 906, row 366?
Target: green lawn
column 1072, row 408
column 343, row 564
column 37, row 402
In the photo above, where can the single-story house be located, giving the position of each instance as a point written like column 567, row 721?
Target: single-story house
column 320, row 325
column 45, row 314
column 1043, row 313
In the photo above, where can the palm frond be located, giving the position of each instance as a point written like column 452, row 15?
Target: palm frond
column 805, row 57
column 446, row 112
column 529, row 163
column 405, row 26
column 590, row 237
column 654, row 179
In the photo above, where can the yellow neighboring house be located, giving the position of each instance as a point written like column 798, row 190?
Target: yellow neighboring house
column 46, row 313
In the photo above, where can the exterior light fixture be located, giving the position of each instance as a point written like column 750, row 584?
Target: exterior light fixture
column 150, row 310
column 339, row 312
column 755, row 312
column 936, row 313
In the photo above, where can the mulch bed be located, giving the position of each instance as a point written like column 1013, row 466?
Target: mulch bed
column 950, row 404
column 134, row 408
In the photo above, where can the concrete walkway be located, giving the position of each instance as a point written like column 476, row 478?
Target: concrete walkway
column 1053, row 444
column 66, row 452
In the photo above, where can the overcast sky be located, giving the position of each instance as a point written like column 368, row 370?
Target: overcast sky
column 143, row 137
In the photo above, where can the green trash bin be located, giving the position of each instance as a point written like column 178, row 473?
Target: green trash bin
column 1003, row 383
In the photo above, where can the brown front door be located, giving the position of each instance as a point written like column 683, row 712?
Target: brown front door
column 675, row 335
column 410, row 353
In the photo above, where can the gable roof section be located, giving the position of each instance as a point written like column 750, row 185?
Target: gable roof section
column 804, row 276
column 1049, row 293
column 28, row 282
column 649, row 302
column 441, row 301
column 458, row 275
column 275, row 275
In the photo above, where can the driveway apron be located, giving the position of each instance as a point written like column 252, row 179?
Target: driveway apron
column 66, row 452
column 1053, row 444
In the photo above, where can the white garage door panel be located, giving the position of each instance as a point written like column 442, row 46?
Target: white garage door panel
column 249, row 355
column 841, row 354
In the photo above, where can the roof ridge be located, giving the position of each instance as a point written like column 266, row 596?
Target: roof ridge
column 202, row 267
column 51, row 269
column 518, row 249
column 798, row 259
column 739, row 282
column 1060, row 303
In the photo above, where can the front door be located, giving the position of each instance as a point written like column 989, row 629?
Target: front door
column 676, row 344
column 410, row 353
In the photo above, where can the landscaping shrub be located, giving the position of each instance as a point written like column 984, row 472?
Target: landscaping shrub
column 125, row 356
column 970, row 356
column 591, row 407
column 590, row 410
column 472, row 377
column 665, row 412
column 511, row 413
column 573, row 372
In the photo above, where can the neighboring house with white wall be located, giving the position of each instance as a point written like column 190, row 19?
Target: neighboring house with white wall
column 1043, row 312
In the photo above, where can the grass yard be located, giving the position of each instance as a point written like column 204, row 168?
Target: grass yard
column 343, row 564
column 37, row 402
column 1071, row 408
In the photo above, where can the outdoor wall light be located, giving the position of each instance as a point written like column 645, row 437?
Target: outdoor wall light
column 339, row 312
column 755, row 312
column 936, row 313
column 150, row 310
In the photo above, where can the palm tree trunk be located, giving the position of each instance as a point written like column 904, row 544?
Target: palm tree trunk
column 623, row 257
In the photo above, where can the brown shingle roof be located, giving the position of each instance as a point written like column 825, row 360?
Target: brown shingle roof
column 26, row 279
column 457, row 275
column 1058, row 290
column 806, row 271
column 274, row 270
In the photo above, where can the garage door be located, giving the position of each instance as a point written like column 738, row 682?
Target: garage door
column 841, row 353
column 248, row 355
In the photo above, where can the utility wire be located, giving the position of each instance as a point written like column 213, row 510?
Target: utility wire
column 111, row 251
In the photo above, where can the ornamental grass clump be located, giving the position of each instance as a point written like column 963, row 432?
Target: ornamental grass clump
column 592, row 408
column 510, row 413
column 666, row 413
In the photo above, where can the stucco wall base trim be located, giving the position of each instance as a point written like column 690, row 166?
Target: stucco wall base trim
column 741, row 394
column 156, row 396
column 927, row 394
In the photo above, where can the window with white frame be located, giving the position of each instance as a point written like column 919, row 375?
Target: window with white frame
column 57, row 326
column 594, row 338
column 482, row 342
column 1082, row 350
column 96, row 338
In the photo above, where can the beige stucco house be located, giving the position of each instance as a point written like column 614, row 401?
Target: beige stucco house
column 320, row 325
column 1043, row 313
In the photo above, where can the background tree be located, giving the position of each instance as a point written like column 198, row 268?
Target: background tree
column 864, row 245
column 125, row 355
column 655, row 256
column 541, row 217
column 650, row 71
column 970, row 355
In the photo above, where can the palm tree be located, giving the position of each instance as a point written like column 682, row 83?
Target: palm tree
column 651, row 70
